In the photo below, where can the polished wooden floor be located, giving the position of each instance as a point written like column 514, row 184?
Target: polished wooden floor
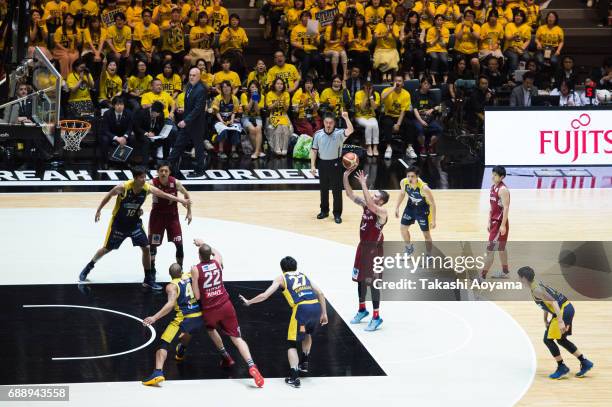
column 534, row 215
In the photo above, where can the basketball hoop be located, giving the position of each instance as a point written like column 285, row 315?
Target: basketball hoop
column 73, row 132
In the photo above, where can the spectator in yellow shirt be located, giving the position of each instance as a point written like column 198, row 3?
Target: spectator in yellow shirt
column 225, row 107
column 467, row 37
column 119, row 40
column 133, row 13
column 146, row 40
column 293, row 15
column 334, row 45
column 205, row 77
column 533, row 14
column 94, row 40
column 287, row 72
column 219, row 17
column 491, row 36
column 518, row 37
column 387, row 36
column 427, row 10
column 396, row 103
column 232, row 41
column 451, row 14
column 138, row 84
column 79, row 84
column 305, row 45
column 54, row 14
column 252, row 101
column 359, row 38
column 173, row 41
column 157, row 94
column 67, row 39
column 437, row 46
column 83, row 10
column 374, row 14
column 279, row 128
column 111, row 84
column 305, row 103
column 225, row 74
column 367, row 102
column 201, row 38
column 171, row 82
column 259, row 74
column 549, row 41
column 350, row 9
column 163, row 12
column 38, row 34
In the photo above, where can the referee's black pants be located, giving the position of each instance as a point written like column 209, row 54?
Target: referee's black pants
column 330, row 177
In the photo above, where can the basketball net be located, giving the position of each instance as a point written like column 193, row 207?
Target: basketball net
column 73, row 132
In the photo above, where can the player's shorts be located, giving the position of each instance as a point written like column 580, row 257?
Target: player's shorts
column 496, row 240
column 552, row 331
column 223, row 318
column 117, row 233
column 160, row 223
column 417, row 214
column 304, row 320
column 363, row 267
column 182, row 323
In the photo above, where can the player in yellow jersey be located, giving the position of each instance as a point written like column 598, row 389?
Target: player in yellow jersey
column 125, row 222
column 308, row 307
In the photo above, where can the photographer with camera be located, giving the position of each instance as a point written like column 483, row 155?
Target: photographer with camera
column 79, row 84
column 305, row 103
column 252, row 102
column 429, row 130
column 396, row 102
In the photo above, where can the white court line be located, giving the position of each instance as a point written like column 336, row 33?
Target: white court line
column 189, row 181
column 151, row 339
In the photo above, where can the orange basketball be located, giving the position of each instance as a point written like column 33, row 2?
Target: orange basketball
column 350, row 160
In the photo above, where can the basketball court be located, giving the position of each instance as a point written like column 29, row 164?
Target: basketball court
column 427, row 353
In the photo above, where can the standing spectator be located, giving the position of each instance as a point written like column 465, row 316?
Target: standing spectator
column 396, row 102
column 171, row 82
column 67, row 40
column 412, row 39
column 157, row 94
column 518, row 37
column 252, row 102
column 225, row 107
column 549, row 41
column 173, row 40
column 386, row 56
column 146, row 40
column 116, row 126
column 425, row 110
column 305, row 45
column 111, row 85
column 359, row 40
column 327, row 148
column 437, row 47
column 94, row 39
column 279, row 127
column 366, row 103
column 201, row 38
column 193, row 126
column 305, row 103
column 474, row 109
column 119, row 41
column 38, row 34
column 522, row 94
column 467, row 36
column 334, row 45
column 149, row 123
column 232, row 41
column 79, row 84
column 491, row 36
column 287, row 72
column 138, row 84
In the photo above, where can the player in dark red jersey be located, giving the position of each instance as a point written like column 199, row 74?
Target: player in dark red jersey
column 370, row 245
column 164, row 215
column 217, row 309
column 498, row 223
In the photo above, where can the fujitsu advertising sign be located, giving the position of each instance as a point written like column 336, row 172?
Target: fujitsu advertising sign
column 548, row 137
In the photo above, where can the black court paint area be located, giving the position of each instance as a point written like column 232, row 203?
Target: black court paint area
column 33, row 336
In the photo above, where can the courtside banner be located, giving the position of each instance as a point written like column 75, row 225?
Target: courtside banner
column 551, row 136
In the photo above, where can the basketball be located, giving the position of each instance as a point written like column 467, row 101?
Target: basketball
column 350, row 160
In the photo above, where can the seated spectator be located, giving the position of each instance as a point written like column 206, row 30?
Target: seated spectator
column 133, row 14
column 426, row 10
column 396, row 102
column 259, row 74
column 354, row 84
column 148, row 123
column 173, row 40
column 252, row 102
column 474, row 109
column 335, row 99
column 79, row 84
column 533, row 14
column 197, row 7
column 496, row 77
column 491, row 36
column 479, row 10
column 413, row 39
column 205, row 77
column 542, row 81
column 518, row 37
column 201, row 39
column 374, row 14
column 119, row 41
column 38, row 34
column 467, row 37
column 566, row 72
column 386, row 56
column 334, row 45
column 162, row 13
column 219, row 17
column 94, row 40
column 549, row 39
column 293, row 15
column 359, row 39
column 138, row 84
column 66, row 40
column 232, row 41
column 171, row 82
column 437, row 47
column 450, row 13
column 225, row 108
column 350, row 9
column 110, row 85
column 54, row 14
column 603, row 76
column 287, row 72
column 366, row 103
column 279, row 127
column 157, row 94
column 460, row 72
column 305, row 46
column 305, row 103
column 225, row 74
column 498, row 7
column 521, row 95
column 116, row 127
column 429, row 130
column 567, row 96
column 20, row 113
column 146, row 40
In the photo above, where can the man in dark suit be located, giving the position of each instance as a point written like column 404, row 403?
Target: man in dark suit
column 20, row 112
column 192, row 128
column 116, row 127
column 523, row 93
column 149, row 123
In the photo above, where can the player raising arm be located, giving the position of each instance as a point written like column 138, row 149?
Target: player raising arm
column 126, row 222
column 308, row 310
column 370, row 246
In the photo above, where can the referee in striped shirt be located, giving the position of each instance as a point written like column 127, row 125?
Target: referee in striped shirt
column 327, row 147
